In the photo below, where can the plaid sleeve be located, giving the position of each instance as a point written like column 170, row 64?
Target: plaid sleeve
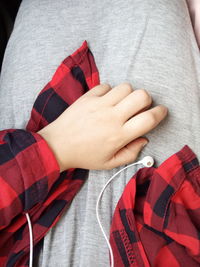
column 27, row 170
column 29, row 173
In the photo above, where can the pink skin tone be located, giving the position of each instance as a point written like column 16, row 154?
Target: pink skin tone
column 104, row 128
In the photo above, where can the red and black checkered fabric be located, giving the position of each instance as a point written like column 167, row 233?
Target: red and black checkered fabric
column 157, row 219
column 30, row 180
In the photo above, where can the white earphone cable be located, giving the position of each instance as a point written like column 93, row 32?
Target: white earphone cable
column 31, row 240
column 147, row 162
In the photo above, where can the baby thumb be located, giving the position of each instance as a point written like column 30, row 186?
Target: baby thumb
column 129, row 153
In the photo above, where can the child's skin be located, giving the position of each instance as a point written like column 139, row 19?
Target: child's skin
column 103, row 128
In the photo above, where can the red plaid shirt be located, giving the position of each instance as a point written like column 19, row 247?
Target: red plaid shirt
column 148, row 233
column 157, row 219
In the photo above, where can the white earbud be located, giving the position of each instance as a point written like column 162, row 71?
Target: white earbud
column 147, row 161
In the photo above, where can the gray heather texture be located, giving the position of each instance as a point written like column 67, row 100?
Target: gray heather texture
column 148, row 43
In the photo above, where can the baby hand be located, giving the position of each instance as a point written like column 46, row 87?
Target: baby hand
column 103, row 128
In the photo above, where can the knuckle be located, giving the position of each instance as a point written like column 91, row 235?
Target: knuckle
column 127, row 86
column 87, row 94
column 83, row 98
column 147, row 99
column 87, row 100
column 106, row 85
column 152, row 119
